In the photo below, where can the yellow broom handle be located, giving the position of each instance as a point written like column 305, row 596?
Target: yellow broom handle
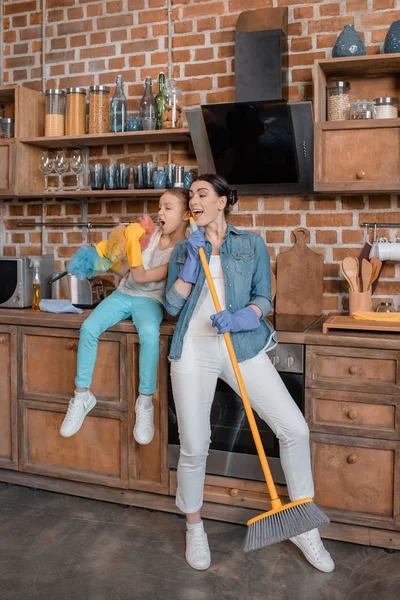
column 249, row 411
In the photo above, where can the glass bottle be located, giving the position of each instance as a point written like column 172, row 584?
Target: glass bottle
column 36, row 285
column 147, row 108
column 160, row 101
column 385, row 307
column 118, row 107
column 172, row 118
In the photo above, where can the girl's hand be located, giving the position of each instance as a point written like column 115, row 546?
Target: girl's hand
column 133, row 233
column 244, row 319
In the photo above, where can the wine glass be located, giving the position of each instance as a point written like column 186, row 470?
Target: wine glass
column 61, row 166
column 76, row 163
column 46, row 165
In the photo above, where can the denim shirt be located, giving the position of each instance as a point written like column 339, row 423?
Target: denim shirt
column 245, row 262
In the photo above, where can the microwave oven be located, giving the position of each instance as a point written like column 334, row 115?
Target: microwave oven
column 16, row 277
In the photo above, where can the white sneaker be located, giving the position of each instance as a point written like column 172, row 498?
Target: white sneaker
column 78, row 408
column 197, row 553
column 311, row 545
column 143, row 431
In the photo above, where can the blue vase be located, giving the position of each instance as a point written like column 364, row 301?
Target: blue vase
column 392, row 39
column 349, row 43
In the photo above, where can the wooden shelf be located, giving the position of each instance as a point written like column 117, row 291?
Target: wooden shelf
column 110, row 139
column 153, row 193
column 368, row 66
column 358, row 124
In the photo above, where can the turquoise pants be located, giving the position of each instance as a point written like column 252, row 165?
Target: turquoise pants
column 146, row 314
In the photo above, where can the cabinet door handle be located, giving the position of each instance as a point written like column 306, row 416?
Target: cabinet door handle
column 360, row 174
column 352, row 459
column 2, row 339
column 352, row 414
column 234, row 492
column 72, row 346
column 353, row 370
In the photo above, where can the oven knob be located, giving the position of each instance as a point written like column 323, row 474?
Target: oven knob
column 275, row 360
column 290, row 361
column 16, row 299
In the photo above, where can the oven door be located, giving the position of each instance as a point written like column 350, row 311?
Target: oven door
column 232, row 449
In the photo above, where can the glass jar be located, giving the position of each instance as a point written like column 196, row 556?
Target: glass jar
column 55, row 113
column 339, row 101
column 75, row 112
column 385, row 307
column 386, row 108
column 2, row 109
column 172, row 117
column 99, row 109
column 362, row 109
column 6, row 128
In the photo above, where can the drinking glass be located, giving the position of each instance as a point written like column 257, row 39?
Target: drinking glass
column 61, row 167
column 123, row 173
column 76, row 162
column 160, row 180
column 137, row 172
column 110, row 176
column 96, row 176
column 46, row 165
column 149, row 168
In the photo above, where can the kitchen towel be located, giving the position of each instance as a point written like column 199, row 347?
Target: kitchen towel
column 373, row 316
column 59, row 306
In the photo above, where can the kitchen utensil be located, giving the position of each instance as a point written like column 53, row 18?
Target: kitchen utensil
column 59, row 290
column 366, row 275
column 283, row 521
column 359, row 301
column 299, row 287
column 376, row 270
column 350, row 268
column 346, row 277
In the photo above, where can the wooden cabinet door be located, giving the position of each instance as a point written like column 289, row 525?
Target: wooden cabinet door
column 357, row 480
column 96, row 454
column 48, row 367
column 7, row 167
column 357, row 157
column 148, row 465
column 8, row 397
column 353, row 369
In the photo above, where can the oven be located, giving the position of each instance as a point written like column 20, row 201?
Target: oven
column 232, row 449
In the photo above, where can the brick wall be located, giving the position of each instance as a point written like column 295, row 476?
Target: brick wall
column 89, row 41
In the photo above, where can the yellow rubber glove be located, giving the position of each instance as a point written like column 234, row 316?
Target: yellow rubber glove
column 133, row 233
column 116, row 266
column 102, row 249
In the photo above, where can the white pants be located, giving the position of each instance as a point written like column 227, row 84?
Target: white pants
column 194, row 379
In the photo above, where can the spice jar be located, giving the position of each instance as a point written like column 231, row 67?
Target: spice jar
column 172, row 117
column 55, row 113
column 6, row 128
column 75, row 112
column 362, row 109
column 99, row 109
column 386, row 108
column 338, row 101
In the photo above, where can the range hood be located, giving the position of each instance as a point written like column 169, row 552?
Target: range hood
column 261, row 143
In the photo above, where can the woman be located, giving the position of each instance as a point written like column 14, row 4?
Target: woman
column 139, row 297
column 239, row 264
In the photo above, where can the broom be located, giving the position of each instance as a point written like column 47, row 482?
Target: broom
column 283, row 521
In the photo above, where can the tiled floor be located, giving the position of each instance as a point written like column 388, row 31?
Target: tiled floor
column 55, row 547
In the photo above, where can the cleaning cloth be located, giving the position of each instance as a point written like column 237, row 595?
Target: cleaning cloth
column 59, row 306
column 373, row 316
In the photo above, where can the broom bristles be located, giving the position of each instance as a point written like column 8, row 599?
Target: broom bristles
column 283, row 525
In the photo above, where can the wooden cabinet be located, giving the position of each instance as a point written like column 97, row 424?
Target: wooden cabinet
column 8, row 397
column 357, row 479
column 148, row 465
column 356, row 156
column 48, row 367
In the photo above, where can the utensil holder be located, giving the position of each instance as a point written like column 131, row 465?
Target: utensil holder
column 360, row 301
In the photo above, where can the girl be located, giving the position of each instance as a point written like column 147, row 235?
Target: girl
column 139, row 296
column 239, row 264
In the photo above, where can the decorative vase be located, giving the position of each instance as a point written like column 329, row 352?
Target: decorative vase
column 349, row 43
column 392, row 39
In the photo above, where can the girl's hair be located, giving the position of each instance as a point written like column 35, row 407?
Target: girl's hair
column 182, row 194
column 221, row 188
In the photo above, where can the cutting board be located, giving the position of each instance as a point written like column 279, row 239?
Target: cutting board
column 299, row 279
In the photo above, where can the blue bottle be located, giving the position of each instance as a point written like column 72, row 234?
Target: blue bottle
column 349, row 43
column 392, row 39
column 118, row 107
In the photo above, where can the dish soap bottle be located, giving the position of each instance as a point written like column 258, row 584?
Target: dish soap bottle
column 36, row 293
column 160, row 101
column 118, row 107
column 147, row 108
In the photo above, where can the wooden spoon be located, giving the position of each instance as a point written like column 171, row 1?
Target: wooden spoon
column 350, row 269
column 366, row 274
column 376, row 269
column 346, row 276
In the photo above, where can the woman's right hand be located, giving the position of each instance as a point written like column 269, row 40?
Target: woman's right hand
column 190, row 269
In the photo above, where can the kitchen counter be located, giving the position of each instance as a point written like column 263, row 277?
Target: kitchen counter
column 311, row 336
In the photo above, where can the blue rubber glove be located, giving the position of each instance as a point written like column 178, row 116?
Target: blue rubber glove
column 190, row 269
column 244, row 319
